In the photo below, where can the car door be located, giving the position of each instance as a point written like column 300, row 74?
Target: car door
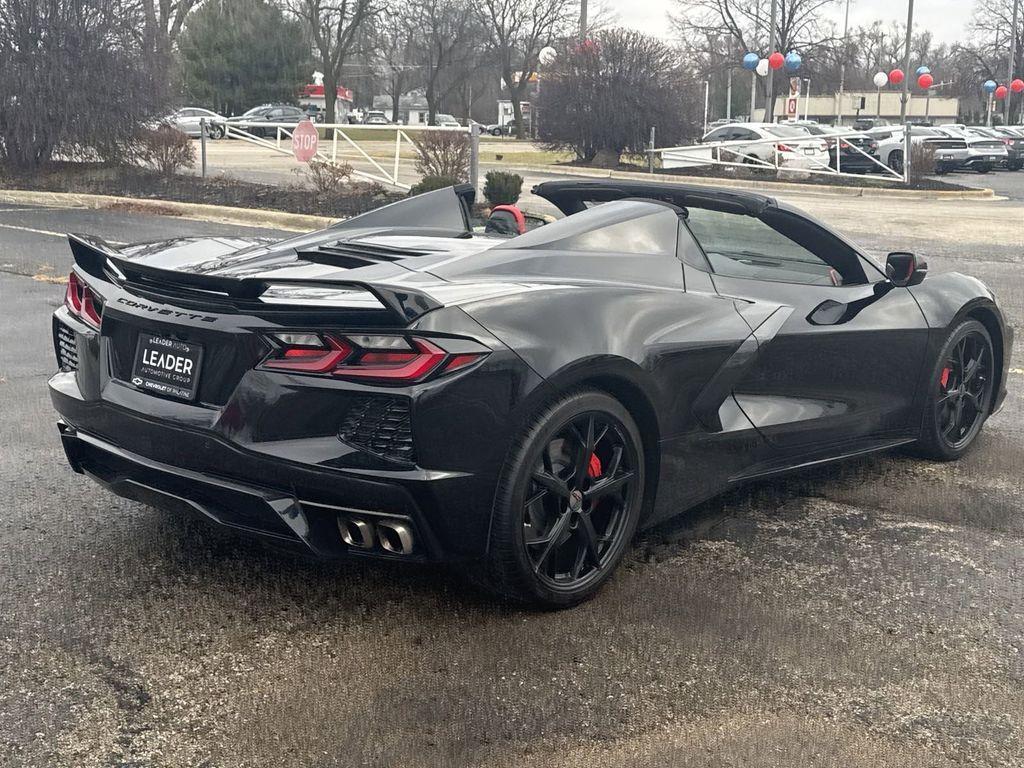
column 840, row 349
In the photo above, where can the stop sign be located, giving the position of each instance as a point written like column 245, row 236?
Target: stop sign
column 305, row 141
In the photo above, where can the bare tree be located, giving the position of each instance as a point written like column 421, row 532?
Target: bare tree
column 446, row 32
column 517, row 31
column 800, row 25
column 336, row 28
column 395, row 47
column 163, row 22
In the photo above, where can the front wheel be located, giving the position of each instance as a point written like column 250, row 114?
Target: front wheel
column 568, row 502
column 959, row 393
column 983, row 168
column 896, row 161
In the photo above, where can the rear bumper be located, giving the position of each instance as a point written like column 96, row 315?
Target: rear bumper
column 290, row 499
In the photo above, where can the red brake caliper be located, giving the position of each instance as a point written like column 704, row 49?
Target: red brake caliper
column 944, row 379
column 594, row 470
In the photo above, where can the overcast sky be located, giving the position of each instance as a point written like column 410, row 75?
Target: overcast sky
column 945, row 18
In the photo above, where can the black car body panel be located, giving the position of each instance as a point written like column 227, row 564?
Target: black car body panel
column 729, row 375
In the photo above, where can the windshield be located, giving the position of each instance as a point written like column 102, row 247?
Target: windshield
column 621, row 226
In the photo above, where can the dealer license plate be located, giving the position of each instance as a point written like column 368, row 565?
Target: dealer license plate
column 167, row 366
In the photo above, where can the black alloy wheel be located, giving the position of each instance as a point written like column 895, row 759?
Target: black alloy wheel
column 568, row 503
column 896, row 160
column 960, row 394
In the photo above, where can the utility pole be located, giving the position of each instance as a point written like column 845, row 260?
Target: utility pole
column 905, row 96
column 1013, row 61
column 769, row 107
column 583, row 20
column 842, row 64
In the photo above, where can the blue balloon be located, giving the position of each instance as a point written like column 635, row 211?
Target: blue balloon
column 990, row 86
column 923, row 71
column 750, row 61
column 793, row 61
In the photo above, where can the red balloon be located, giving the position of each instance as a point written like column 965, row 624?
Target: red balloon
column 776, row 60
column 1017, row 85
column 925, row 81
column 1001, row 92
column 896, row 76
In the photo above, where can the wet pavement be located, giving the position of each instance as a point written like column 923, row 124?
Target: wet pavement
column 866, row 614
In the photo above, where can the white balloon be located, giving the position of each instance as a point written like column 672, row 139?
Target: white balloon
column 762, row 67
column 881, row 80
column 547, row 55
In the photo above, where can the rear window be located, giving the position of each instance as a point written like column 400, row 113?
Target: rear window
column 784, row 131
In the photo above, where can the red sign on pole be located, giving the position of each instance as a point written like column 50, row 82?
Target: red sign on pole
column 305, row 141
column 791, row 107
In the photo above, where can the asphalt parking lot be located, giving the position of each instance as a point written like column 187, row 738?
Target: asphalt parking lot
column 869, row 614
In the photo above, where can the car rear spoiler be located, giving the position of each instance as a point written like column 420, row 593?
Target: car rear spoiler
column 103, row 261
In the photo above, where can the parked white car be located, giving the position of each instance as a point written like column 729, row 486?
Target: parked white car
column 984, row 152
column 951, row 151
column 792, row 147
column 189, row 119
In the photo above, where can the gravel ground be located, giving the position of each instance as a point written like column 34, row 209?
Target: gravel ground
column 863, row 615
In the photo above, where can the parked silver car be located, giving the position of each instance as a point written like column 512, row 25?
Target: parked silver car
column 189, row 119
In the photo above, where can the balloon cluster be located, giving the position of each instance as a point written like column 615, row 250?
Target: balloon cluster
column 897, row 76
column 752, row 62
column 992, row 88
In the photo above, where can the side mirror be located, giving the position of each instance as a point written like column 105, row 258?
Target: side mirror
column 905, row 269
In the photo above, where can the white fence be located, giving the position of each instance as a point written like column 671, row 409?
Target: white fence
column 791, row 153
column 348, row 136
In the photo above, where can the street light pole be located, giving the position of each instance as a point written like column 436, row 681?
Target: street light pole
column 842, row 64
column 769, row 107
column 1013, row 61
column 583, row 20
column 905, row 96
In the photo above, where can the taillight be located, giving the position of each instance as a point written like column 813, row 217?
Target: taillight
column 784, row 148
column 1008, row 142
column 82, row 302
column 378, row 358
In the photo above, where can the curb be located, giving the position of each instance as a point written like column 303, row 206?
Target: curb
column 766, row 186
column 222, row 214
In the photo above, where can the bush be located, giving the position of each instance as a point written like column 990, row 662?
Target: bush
column 444, row 154
column 503, row 188
column 328, row 178
column 922, row 162
column 165, row 148
column 430, row 183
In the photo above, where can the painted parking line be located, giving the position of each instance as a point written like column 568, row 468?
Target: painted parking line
column 34, row 231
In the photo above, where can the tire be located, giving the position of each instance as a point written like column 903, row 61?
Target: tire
column 496, row 132
column 1016, row 165
column 895, row 161
column 555, row 540
column 217, row 132
column 983, row 168
column 941, row 439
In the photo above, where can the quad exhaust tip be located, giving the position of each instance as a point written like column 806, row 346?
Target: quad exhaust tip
column 393, row 535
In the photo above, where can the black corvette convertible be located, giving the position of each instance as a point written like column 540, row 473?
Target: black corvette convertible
column 399, row 386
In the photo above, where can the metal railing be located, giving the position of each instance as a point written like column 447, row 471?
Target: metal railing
column 783, row 154
column 347, row 134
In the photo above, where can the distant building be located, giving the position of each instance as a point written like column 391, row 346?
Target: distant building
column 412, row 108
column 313, row 95
column 856, row 104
